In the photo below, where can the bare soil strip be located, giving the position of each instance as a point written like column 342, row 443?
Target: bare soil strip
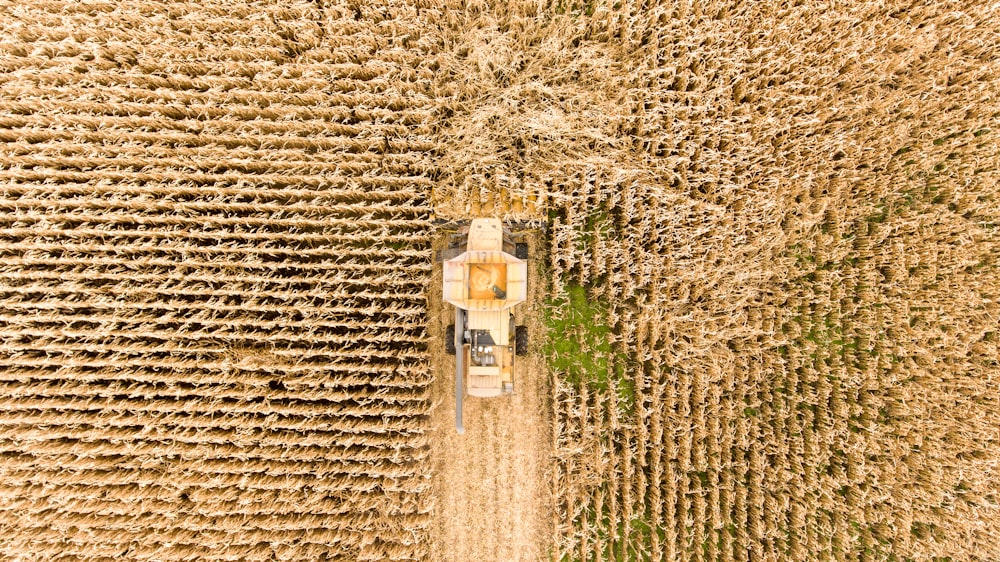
column 493, row 500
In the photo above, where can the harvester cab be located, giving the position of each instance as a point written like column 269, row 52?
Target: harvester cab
column 485, row 277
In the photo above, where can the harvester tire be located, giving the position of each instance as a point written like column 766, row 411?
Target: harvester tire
column 449, row 339
column 521, row 251
column 521, row 340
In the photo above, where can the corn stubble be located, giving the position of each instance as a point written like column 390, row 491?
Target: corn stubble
column 789, row 211
column 214, row 245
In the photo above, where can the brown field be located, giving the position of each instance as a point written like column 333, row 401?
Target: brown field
column 214, row 247
column 769, row 280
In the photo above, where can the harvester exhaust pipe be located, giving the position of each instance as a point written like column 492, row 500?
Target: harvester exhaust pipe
column 459, row 367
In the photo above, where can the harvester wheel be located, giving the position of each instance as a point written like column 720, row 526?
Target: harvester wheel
column 521, row 251
column 521, row 340
column 449, row 339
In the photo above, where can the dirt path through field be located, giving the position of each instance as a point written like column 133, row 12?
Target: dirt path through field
column 491, row 484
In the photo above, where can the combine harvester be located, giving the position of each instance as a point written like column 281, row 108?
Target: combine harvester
column 485, row 276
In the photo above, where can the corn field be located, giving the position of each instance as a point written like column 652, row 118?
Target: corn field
column 214, row 245
column 215, row 256
column 785, row 215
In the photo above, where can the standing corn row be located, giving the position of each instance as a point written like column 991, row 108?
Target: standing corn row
column 797, row 266
column 214, row 247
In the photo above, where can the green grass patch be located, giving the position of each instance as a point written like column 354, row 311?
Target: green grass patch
column 595, row 226
column 578, row 345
